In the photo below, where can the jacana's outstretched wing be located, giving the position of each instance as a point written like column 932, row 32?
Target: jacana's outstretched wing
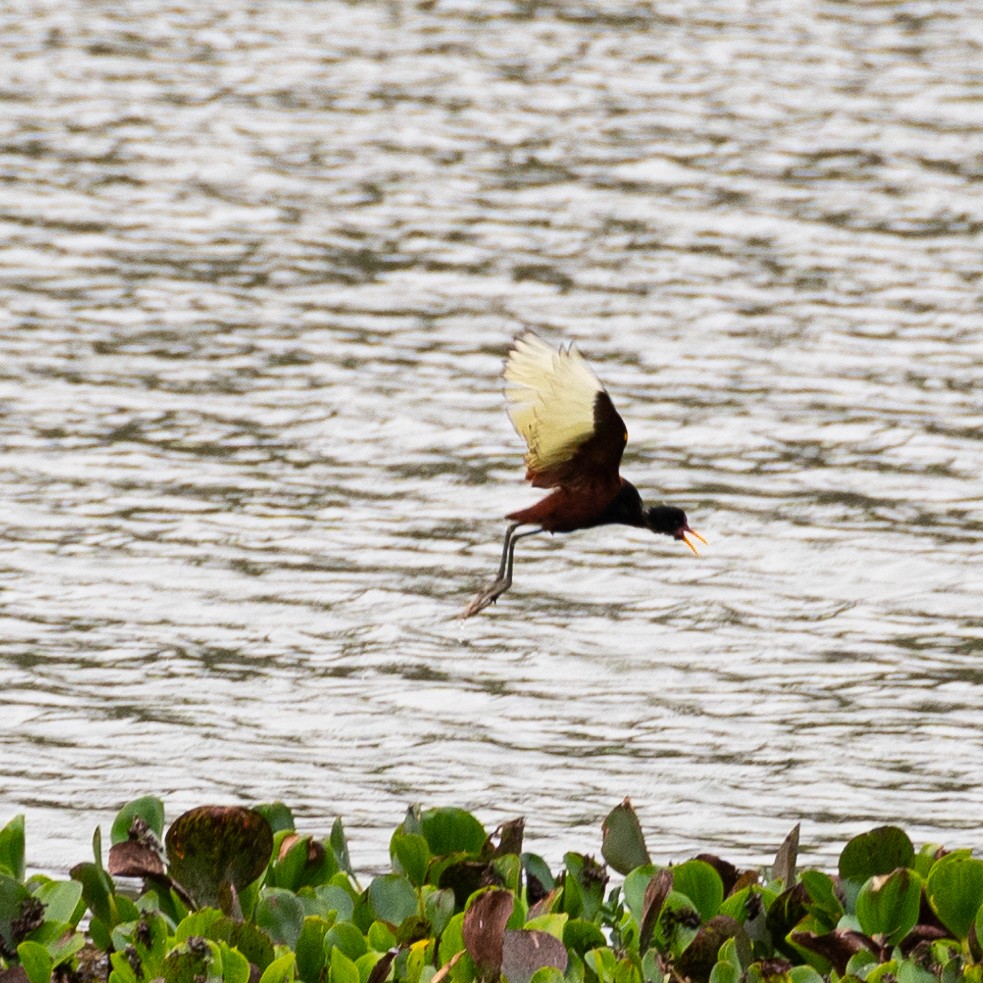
column 557, row 404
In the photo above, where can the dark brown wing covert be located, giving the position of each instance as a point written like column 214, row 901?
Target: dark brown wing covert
column 597, row 460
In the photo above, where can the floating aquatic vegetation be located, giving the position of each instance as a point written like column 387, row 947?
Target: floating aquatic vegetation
column 235, row 895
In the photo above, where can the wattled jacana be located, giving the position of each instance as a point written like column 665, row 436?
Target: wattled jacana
column 575, row 438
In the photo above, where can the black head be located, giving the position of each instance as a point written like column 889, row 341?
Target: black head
column 670, row 521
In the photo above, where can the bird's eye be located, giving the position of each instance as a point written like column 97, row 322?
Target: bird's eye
column 625, row 437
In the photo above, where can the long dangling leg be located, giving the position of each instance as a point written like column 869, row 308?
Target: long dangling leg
column 497, row 588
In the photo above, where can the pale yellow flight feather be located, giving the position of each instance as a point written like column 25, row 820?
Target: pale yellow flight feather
column 550, row 398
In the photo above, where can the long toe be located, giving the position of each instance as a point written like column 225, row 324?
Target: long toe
column 482, row 599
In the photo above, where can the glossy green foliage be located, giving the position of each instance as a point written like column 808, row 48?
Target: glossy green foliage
column 39, row 917
column 888, row 905
column 623, row 843
column 878, row 852
column 239, row 896
column 12, row 849
column 955, row 892
column 141, row 816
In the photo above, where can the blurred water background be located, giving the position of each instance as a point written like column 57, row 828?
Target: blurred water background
column 259, row 266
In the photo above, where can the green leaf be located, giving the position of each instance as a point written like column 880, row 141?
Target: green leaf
column 822, row 894
column 910, row 972
column 547, row 974
column 623, row 845
column 859, row 963
column 411, row 853
column 636, row 883
column 729, row 953
column 414, row 960
column 725, row 972
column 36, row 961
column 330, row 897
column 380, row 936
column 149, row 808
column 602, row 962
column 878, row 851
column 339, row 843
column 281, row 915
column 888, row 905
column 302, row 861
column 581, row 936
column 150, row 938
column 62, row 901
column 886, row 972
column 343, row 969
column 310, row 948
column 346, row 937
column 452, row 939
column 805, row 974
column 189, row 963
column 451, row 830
column 552, row 924
column 954, row 890
column 926, row 857
column 12, row 848
column 508, row 869
column 583, row 886
column 438, row 908
column 198, row 923
column 701, row 884
column 392, row 898
column 412, row 821
column 100, row 934
column 251, row 941
column 282, row 970
column 214, row 847
column 677, row 925
column 537, row 872
column 277, row 815
column 235, row 966
column 122, row 970
column 98, row 891
column 62, row 948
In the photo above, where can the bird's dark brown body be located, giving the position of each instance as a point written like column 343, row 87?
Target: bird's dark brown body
column 584, row 507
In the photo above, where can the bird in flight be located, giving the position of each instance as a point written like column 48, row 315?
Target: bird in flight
column 575, row 440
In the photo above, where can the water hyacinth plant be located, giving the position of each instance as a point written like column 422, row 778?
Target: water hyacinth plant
column 237, row 895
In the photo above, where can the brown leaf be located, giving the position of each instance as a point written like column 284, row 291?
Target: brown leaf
column 214, row 845
column 526, row 950
column 315, row 849
column 727, row 871
column 510, row 837
column 745, row 879
column 656, row 892
column 697, row 961
column 134, row 859
column 784, row 867
column 445, row 970
column 381, row 969
column 922, row 933
column 484, row 929
column 544, row 906
column 836, row 946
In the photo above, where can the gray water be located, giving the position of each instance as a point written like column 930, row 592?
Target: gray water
column 259, row 267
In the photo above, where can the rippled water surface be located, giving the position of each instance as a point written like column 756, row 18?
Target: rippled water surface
column 259, row 266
